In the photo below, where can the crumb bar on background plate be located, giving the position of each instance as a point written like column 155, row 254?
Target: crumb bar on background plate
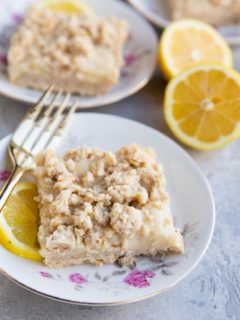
column 101, row 207
column 79, row 53
column 216, row 12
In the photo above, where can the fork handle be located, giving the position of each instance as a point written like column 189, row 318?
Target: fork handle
column 10, row 184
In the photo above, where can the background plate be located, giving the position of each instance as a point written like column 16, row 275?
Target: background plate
column 157, row 12
column 139, row 52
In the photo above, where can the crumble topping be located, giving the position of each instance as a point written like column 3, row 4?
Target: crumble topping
column 98, row 206
column 69, row 50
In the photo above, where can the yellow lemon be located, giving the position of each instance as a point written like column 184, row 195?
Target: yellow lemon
column 19, row 222
column 201, row 106
column 189, row 42
column 67, row 6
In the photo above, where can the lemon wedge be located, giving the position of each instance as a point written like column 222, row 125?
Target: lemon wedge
column 201, row 106
column 19, row 222
column 189, row 42
column 67, row 6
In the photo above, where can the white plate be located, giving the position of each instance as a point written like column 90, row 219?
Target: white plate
column 192, row 206
column 139, row 52
column 157, row 12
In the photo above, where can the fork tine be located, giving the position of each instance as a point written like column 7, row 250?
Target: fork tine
column 50, row 127
column 57, row 135
column 34, row 112
column 40, row 125
column 63, row 105
column 26, row 125
column 51, row 107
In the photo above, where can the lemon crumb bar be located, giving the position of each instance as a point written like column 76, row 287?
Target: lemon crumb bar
column 79, row 53
column 101, row 207
column 216, row 12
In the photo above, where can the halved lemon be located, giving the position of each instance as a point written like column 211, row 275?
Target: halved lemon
column 202, row 106
column 19, row 222
column 189, row 42
column 67, row 6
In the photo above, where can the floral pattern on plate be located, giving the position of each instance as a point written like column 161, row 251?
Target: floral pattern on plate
column 139, row 279
column 140, row 275
column 4, row 175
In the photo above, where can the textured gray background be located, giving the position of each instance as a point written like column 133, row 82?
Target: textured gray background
column 211, row 291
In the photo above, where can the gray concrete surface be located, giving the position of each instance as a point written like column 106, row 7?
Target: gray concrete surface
column 211, row 291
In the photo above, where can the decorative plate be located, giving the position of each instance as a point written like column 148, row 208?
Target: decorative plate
column 192, row 206
column 139, row 52
column 157, row 12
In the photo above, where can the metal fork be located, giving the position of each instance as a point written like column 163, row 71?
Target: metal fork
column 41, row 129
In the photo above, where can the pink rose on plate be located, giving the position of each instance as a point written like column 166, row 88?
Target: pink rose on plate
column 3, row 59
column 4, row 175
column 46, row 274
column 77, row 278
column 129, row 59
column 17, row 18
column 138, row 279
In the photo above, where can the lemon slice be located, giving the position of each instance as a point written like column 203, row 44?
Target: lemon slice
column 67, row 6
column 19, row 222
column 189, row 42
column 201, row 106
